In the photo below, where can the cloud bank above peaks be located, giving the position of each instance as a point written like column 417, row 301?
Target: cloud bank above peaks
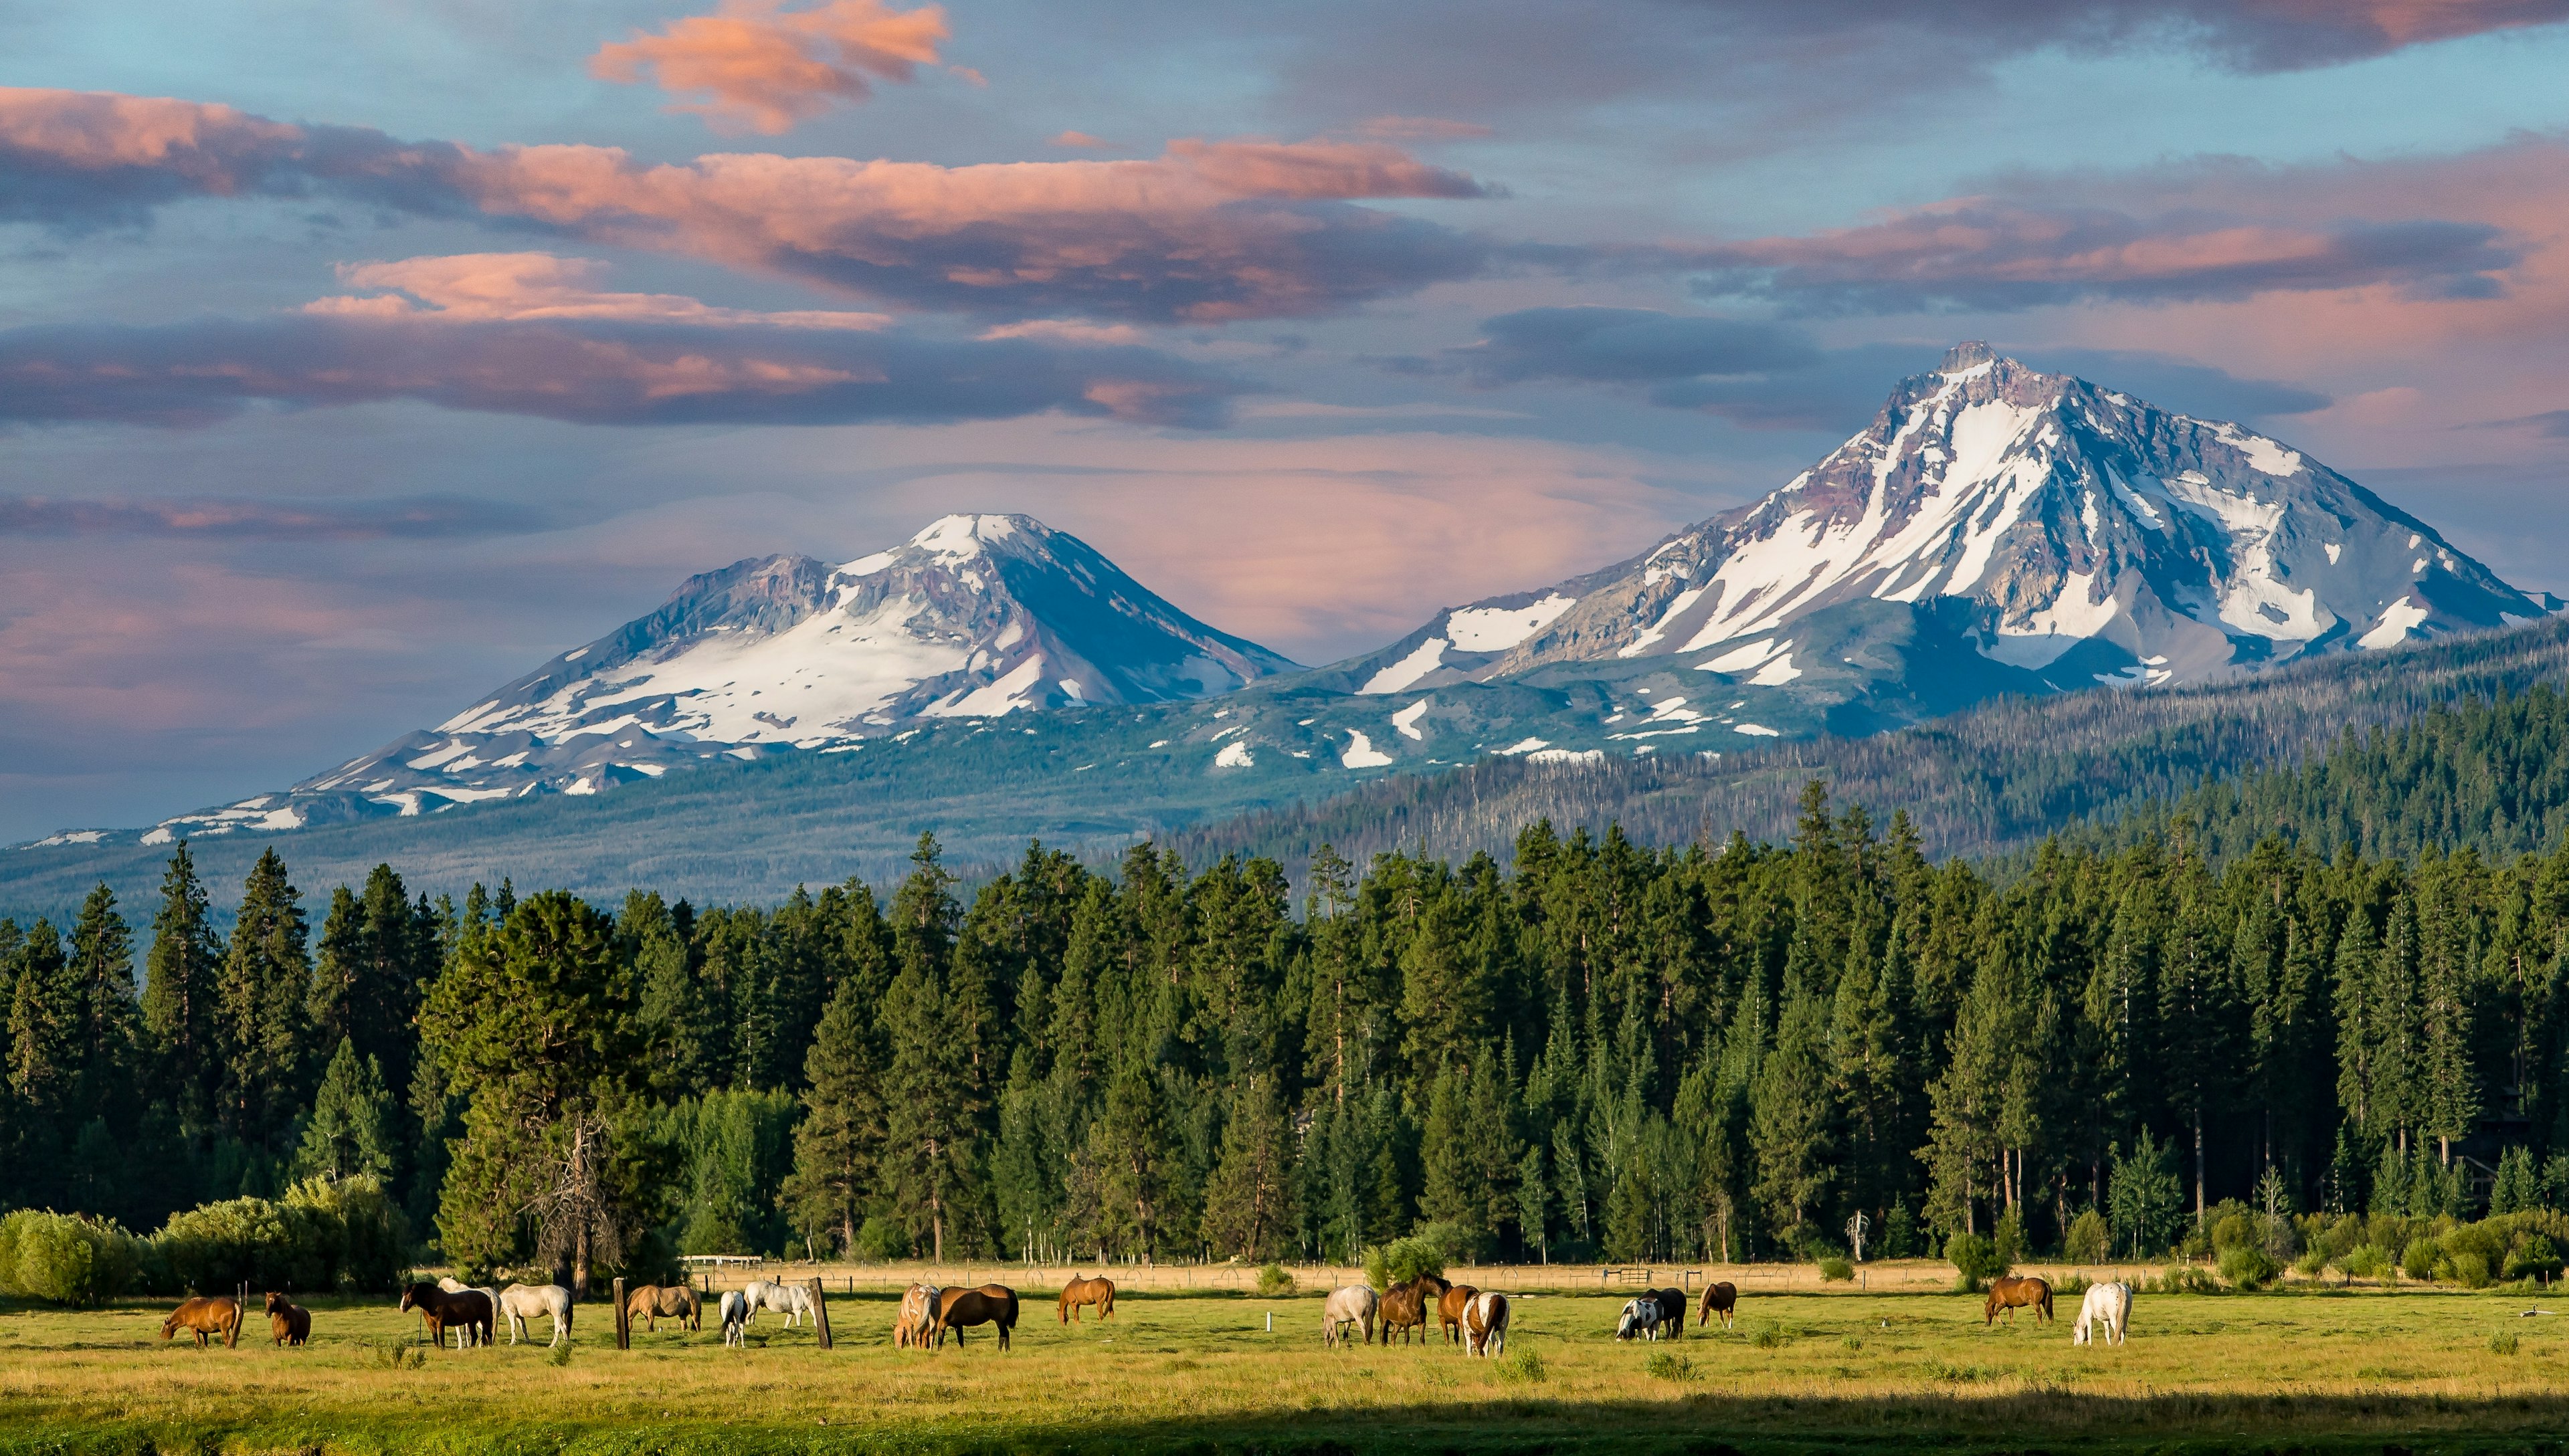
column 754, row 66
column 1209, row 231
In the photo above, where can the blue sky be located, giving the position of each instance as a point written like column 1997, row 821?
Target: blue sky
column 1279, row 306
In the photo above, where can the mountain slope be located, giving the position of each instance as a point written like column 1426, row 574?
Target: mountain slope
column 2066, row 531
column 976, row 617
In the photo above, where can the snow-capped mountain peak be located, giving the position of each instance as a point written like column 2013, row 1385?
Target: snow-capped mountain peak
column 975, row 616
column 2059, row 527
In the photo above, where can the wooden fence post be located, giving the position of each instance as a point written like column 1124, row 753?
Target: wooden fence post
column 623, row 1320
column 821, row 1311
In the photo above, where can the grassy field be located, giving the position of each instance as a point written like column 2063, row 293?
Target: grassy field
column 1195, row 1370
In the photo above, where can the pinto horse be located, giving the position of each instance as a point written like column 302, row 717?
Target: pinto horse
column 2012, row 1293
column 289, row 1324
column 1485, row 1325
column 1721, row 1300
column 202, row 1317
column 917, row 1319
column 1449, row 1310
column 443, row 1310
column 991, row 1305
column 1671, row 1307
column 1084, row 1290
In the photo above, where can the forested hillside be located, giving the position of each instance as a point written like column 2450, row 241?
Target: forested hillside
column 1993, row 778
column 1589, row 1048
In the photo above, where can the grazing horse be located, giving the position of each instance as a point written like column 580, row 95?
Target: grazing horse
column 1449, row 1310
column 917, row 1322
column 992, row 1305
column 1355, row 1305
column 735, row 1317
column 793, row 1302
column 1485, row 1325
column 445, row 1310
column 288, row 1323
column 522, row 1303
column 1084, row 1290
column 2012, row 1294
column 1720, row 1300
column 2110, row 1305
column 653, row 1304
column 1640, row 1319
column 1672, row 1306
column 454, row 1285
column 218, row 1316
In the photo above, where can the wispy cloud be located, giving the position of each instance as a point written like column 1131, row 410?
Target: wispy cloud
column 752, row 66
column 418, row 517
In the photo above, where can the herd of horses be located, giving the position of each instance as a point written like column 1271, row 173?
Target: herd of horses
column 1476, row 1320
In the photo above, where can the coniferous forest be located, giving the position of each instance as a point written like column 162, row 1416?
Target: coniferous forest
column 1590, row 1051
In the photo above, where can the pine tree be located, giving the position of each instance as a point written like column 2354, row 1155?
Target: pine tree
column 101, row 969
column 1790, row 1121
column 179, row 995
column 840, row 1138
column 350, row 1132
column 933, row 1099
column 45, row 1022
column 259, row 996
column 1249, row 1206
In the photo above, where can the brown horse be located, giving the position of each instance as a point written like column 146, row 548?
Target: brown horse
column 442, row 1311
column 289, row 1324
column 1672, row 1302
column 2012, row 1293
column 992, row 1305
column 1449, row 1312
column 1084, row 1291
column 653, row 1304
column 216, row 1315
column 1405, row 1307
column 1720, row 1300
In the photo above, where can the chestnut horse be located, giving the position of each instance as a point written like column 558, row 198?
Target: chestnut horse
column 1084, row 1291
column 653, row 1304
column 1449, row 1310
column 442, row 1311
column 218, row 1316
column 992, row 1305
column 1405, row 1307
column 2012, row 1293
column 289, row 1324
column 1720, row 1300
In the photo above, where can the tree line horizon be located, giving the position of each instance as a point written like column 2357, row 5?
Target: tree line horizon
column 1595, row 1050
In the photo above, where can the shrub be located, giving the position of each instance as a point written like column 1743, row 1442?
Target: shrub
column 286, row 1246
column 373, row 1236
column 2237, row 1230
column 1377, row 1265
column 2007, row 1239
column 1668, row 1366
column 2071, row 1287
column 2503, row 1342
column 560, row 1355
column 2089, row 1240
column 2367, row 1261
column 1273, row 1282
column 2466, row 1269
column 1834, row 1269
column 2311, row 1264
column 2186, row 1279
column 1403, row 1260
column 1976, row 1260
column 64, row 1258
column 880, row 1241
column 1453, row 1243
column 2533, row 1255
column 1520, row 1367
column 1767, row 1336
column 2418, row 1259
column 2248, row 1266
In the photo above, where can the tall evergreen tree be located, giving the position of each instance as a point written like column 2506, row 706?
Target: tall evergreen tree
column 259, row 996
column 179, row 993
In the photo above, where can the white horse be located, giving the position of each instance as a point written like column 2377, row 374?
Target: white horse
column 735, row 1318
column 2110, row 1305
column 1485, row 1325
column 522, row 1303
column 1640, row 1318
column 453, row 1285
column 1355, row 1305
column 793, row 1302
column 920, row 1305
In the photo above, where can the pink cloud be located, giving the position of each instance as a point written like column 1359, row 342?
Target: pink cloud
column 755, row 67
column 488, row 287
column 1209, row 230
column 1081, row 141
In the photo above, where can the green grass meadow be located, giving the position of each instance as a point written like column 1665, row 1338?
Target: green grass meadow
column 1196, row 1372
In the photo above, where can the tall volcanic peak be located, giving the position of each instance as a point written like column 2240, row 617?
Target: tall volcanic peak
column 2063, row 529
column 976, row 617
